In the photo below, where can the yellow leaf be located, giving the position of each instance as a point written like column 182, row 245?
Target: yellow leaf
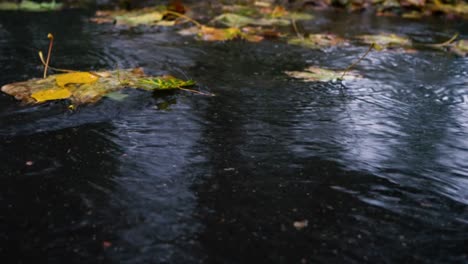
column 75, row 77
column 218, row 34
column 51, row 94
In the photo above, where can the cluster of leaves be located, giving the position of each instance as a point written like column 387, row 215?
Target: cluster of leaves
column 89, row 87
column 250, row 23
column 31, row 6
column 237, row 22
column 404, row 8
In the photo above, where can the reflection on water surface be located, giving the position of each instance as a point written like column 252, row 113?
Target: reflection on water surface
column 378, row 168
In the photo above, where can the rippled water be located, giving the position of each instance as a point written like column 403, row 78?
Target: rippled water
column 379, row 168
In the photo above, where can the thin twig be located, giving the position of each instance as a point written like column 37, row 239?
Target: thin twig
column 360, row 59
column 195, row 91
column 51, row 43
column 198, row 24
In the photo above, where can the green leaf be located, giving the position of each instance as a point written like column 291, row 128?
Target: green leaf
column 163, row 83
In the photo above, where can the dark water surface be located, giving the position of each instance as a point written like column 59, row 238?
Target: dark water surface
column 379, row 169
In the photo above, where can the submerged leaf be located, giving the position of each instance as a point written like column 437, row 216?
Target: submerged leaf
column 116, row 96
column 75, row 78
column 55, row 93
column 317, row 74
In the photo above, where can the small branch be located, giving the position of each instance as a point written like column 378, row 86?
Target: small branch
column 359, row 60
column 198, row 24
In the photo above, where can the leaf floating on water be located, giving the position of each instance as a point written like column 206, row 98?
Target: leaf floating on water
column 75, row 78
column 55, row 93
column 31, row 6
column 386, row 41
column 225, row 34
column 460, row 47
column 235, row 20
column 218, row 34
column 146, row 16
column 317, row 74
column 89, row 90
column 318, row 41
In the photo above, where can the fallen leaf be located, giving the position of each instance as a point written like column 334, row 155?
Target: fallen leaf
column 116, row 96
column 316, row 74
column 55, row 93
column 75, row 78
column 89, row 91
column 318, row 41
column 235, row 20
column 31, row 6
column 167, row 82
column 299, row 225
column 386, row 40
column 146, row 16
column 460, row 47
column 218, row 34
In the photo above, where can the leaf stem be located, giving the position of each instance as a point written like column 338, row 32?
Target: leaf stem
column 446, row 43
column 198, row 24
column 359, row 60
column 51, row 43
